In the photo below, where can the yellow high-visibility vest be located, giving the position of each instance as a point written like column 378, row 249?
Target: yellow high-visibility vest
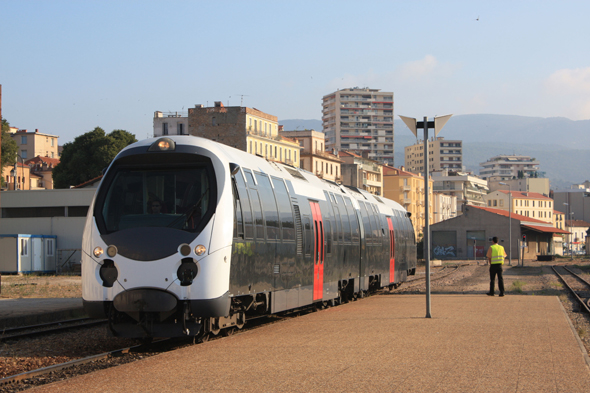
column 497, row 254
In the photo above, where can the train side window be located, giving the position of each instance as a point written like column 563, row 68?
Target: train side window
column 354, row 225
column 374, row 223
column 307, row 226
column 258, row 219
column 328, row 236
column 337, row 225
column 366, row 224
column 285, row 212
column 269, row 205
column 238, row 217
column 344, row 219
column 245, row 204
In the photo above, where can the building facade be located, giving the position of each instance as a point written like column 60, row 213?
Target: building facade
column 445, row 207
column 442, row 154
column 576, row 240
column 574, row 202
column 468, row 189
column 247, row 129
column 33, row 144
column 170, row 123
column 510, row 166
column 539, row 185
column 407, row 189
column 527, row 204
column 361, row 173
column 314, row 158
column 360, row 120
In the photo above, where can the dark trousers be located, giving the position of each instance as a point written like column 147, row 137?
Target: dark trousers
column 496, row 269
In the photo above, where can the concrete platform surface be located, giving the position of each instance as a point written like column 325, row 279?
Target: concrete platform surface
column 23, row 312
column 472, row 343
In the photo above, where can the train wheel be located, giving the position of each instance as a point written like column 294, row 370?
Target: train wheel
column 229, row 331
column 202, row 337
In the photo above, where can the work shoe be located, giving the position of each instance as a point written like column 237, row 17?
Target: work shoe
column 489, row 294
column 501, row 295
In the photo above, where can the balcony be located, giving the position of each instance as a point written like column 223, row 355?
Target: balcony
column 405, row 188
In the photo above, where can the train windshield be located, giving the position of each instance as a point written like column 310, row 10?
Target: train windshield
column 177, row 198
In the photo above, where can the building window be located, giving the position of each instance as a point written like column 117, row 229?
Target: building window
column 250, row 147
column 213, row 121
column 164, row 128
column 24, row 247
column 23, row 154
column 495, row 203
column 23, row 140
column 180, row 129
column 49, row 246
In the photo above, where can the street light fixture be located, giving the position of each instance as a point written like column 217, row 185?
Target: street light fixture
column 509, row 223
column 14, row 172
column 567, row 214
column 438, row 123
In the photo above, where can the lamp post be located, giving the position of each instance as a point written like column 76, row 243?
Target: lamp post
column 438, row 123
column 567, row 214
column 14, row 172
column 509, row 222
column 571, row 245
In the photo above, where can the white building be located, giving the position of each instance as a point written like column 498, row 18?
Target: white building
column 468, row 189
column 509, row 167
column 360, row 120
column 170, row 123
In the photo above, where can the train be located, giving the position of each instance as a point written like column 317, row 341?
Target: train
column 189, row 237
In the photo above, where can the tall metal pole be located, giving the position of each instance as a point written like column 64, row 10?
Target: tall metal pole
column 427, row 221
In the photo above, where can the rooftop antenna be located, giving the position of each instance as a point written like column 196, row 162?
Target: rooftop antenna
column 242, row 98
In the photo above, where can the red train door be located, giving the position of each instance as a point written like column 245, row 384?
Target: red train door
column 318, row 252
column 391, row 251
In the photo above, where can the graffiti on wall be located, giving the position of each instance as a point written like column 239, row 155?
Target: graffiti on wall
column 444, row 251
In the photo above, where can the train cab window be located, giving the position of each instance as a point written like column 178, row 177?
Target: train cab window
column 140, row 196
column 269, row 205
column 285, row 212
column 258, row 219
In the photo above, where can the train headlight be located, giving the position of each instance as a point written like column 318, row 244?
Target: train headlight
column 98, row 251
column 184, row 249
column 200, row 250
column 111, row 251
column 163, row 144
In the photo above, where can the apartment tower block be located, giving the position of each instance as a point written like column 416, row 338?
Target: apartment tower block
column 360, row 120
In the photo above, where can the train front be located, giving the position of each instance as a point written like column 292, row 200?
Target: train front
column 150, row 263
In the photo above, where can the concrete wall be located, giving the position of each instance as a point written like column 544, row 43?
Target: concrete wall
column 479, row 220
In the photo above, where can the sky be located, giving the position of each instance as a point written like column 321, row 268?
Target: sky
column 70, row 66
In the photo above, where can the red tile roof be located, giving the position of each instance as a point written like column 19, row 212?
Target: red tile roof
column 526, row 195
column 576, row 223
column 545, row 229
column 47, row 160
column 505, row 213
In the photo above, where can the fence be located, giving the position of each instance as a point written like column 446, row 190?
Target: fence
column 68, row 260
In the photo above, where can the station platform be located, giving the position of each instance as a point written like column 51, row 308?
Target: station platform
column 25, row 312
column 472, row 343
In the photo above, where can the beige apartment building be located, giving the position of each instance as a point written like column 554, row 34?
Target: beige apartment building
column 509, row 166
column 22, row 176
column 558, row 219
column 539, row 185
column 360, row 120
column 407, row 189
column 361, row 172
column 33, row 144
column 247, row 129
column 445, row 207
column 314, row 158
column 442, row 155
column 528, row 204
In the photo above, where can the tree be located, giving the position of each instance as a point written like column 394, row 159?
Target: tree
column 86, row 157
column 9, row 149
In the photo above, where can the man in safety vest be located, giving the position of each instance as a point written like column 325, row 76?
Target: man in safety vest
column 496, row 255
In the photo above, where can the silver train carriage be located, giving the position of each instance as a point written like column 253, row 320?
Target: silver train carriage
column 187, row 236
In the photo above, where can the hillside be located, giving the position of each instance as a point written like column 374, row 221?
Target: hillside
column 562, row 146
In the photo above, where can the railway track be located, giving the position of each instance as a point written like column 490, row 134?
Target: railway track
column 441, row 273
column 578, row 293
column 21, row 332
